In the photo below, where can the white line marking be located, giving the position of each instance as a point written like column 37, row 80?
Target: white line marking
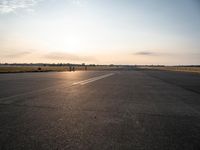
column 11, row 99
column 92, row 79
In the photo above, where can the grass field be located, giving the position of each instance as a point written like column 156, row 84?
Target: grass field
column 13, row 69
column 175, row 68
column 18, row 69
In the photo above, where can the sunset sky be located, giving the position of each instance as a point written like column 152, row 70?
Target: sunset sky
column 100, row 31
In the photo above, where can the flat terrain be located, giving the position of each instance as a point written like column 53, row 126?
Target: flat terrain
column 22, row 69
column 100, row 110
column 191, row 69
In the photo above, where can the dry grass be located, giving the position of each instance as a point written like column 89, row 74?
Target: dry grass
column 16, row 69
column 13, row 69
column 176, row 68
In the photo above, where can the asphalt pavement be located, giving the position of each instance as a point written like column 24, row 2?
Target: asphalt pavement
column 140, row 110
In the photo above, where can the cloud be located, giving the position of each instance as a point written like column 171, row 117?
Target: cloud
column 67, row 57
column 59, row 55
column 18, row 54
column 8, row 6
column 146, row 53
column 79, row 3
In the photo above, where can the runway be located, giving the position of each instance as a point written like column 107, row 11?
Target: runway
column 100, row 110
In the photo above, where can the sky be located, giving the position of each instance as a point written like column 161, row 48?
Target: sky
column 165, row 32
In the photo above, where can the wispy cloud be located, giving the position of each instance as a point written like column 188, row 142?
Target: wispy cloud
column 79, row 3
column 59, row 55
column 67, row 57
column 8, row 6
column 146, row 53
column 17, row 54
